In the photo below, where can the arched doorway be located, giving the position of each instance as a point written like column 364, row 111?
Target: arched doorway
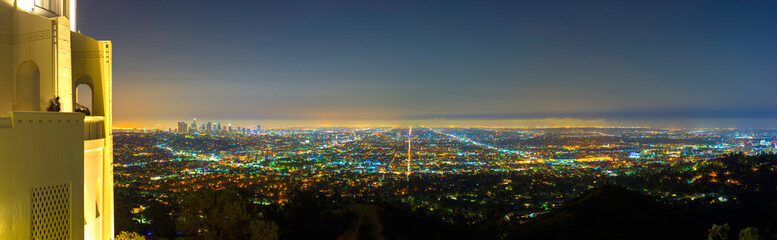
column 27, row 87
column 84, row 96
column 83, row 91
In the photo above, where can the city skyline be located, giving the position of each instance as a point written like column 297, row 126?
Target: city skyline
column 630, row 63
column 476, row 123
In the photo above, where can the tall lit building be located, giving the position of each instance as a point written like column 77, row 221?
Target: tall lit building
column 182, row 127
column 193, row 128
column 56, row 168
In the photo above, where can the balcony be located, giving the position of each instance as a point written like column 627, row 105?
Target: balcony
column 94, row 127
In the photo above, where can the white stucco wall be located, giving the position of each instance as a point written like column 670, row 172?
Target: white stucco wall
column 41, row 149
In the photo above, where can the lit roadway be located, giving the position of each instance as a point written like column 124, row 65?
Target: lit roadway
column 473, row 142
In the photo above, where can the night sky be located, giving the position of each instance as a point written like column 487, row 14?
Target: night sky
column 629, row 61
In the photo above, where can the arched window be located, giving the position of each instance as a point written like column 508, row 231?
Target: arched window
column 27, row 88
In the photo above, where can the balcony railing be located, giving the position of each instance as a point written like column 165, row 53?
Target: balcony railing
column 94, row 128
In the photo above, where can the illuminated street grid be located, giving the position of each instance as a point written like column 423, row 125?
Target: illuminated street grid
column 466, row 171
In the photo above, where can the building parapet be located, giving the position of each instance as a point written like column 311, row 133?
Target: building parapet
column 41, row 119
column 94, row 127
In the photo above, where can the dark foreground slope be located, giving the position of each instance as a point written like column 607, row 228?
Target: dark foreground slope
column 610, row 212
column 606, row 212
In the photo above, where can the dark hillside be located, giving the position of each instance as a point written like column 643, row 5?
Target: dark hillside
column 610, row 212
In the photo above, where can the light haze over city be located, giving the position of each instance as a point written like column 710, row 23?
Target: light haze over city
column 295, row 63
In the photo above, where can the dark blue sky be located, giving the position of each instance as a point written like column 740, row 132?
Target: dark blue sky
column 449, row 59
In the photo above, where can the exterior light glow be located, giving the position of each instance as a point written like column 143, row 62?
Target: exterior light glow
column 72, row 15
column 26, row 5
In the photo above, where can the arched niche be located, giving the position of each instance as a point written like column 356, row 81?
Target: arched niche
column 27, row 94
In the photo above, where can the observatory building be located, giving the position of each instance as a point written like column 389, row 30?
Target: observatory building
column 56, row 167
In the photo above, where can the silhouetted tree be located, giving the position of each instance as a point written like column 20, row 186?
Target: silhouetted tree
column 749, row 233
column 129, row 236
column 208, row 214
column 162, row 219
column 263, row 230
column 718, row 232
column 122, row 212
column 301, row 214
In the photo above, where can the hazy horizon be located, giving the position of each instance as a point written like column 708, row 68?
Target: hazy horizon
column 770, row 123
